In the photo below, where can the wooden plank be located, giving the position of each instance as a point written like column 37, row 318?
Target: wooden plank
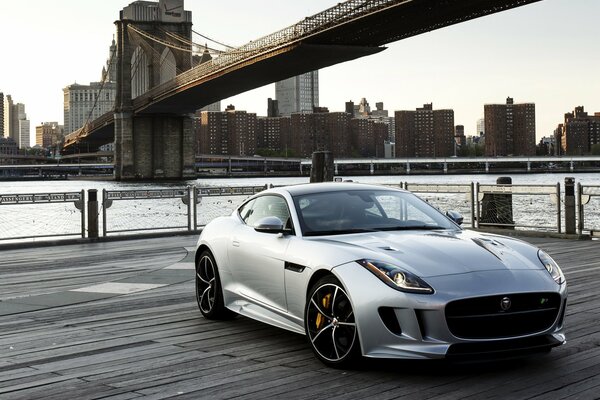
column 156, row 344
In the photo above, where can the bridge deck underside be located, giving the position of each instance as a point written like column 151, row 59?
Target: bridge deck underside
column 408, row 19
column 272, row 67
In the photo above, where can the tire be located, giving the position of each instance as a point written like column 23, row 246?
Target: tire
column 330, row 324
column 209, row 292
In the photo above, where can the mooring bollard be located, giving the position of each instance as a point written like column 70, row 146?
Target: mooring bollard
column 322, row 167
column 570, row 205
column 92, row 208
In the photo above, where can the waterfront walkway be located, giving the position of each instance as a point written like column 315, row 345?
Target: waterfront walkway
column 118, row 320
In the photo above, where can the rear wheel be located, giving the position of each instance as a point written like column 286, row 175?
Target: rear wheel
column 330, row 323
column 209, row 293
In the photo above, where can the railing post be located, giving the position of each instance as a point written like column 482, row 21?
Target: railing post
column 476, row 195
column 472, row 201
column 195, row 200
column 104, row 207
column 82, row 213
column 580, row 222
column 92, row 207
column 558, row 216
column 189, row 207
column 570, row 205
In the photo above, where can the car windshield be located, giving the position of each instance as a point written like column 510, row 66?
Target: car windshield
column 357, row 211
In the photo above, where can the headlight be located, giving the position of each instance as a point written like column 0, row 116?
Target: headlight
column 552, row 267
column 396, row 277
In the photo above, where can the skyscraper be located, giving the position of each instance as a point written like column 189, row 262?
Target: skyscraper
column 1, row 114
column 18, row 126
column 509, row 129
column 424, row 132
column 299, row 94
column 579, row 132
column 83, row 103
column 7, row 110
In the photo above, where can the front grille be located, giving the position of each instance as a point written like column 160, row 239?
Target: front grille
column 503, row 315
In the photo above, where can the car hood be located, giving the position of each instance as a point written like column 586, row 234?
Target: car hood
column 435, row 253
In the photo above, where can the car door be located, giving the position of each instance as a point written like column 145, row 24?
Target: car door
column 258, row 259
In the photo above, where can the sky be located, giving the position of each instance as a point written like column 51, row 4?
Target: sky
column 546, row 53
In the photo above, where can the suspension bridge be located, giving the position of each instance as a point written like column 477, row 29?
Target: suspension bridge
column 158, row 87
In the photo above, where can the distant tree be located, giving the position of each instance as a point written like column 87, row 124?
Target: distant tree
column 472, row 150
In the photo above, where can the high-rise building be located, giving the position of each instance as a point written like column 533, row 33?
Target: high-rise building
column 299, row 94
column 49, row 134
column 339, row 134
column 424, row 132
column 480, row 127
column 578, row 133
column 308, row 133
column 229, row 132
column 7, row 112
column 84, row 103
column 459, row 138
column 1, row 114
column 211, row 133
column 272, row 108
column 509, row 129
column 379, row 114
column 19, row 125
column 273, row 135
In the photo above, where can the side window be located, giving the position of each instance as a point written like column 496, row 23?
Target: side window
column 246, row 210
column 268, row 206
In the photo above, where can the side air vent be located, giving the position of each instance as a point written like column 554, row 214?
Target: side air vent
column 388, row 316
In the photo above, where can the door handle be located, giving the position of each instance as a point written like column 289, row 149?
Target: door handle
column 235, row 242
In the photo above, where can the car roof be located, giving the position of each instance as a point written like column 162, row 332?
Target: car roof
column 310, row 188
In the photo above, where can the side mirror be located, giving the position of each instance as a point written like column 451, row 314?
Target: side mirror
column 269, row 225
column 455, row 216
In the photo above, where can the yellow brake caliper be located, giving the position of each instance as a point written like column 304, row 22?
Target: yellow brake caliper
column 320, row 317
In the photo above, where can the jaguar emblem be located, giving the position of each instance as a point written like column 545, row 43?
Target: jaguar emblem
column 505, row 303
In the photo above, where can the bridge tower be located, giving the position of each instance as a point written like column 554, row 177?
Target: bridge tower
column 152, row 146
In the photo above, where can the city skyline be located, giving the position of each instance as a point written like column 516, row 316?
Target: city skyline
column 541, row 53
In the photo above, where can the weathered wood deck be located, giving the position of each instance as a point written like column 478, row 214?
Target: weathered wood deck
column 64, row 337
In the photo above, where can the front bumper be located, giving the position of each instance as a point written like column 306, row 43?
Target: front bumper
column 418, row 327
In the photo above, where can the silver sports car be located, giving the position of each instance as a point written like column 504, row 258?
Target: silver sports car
column 372, row 271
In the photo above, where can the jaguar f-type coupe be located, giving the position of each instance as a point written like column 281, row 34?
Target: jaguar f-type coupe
column 373, row 271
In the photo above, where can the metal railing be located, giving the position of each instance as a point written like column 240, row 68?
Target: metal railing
column 458, row 197
column 588, row 209
column 188, row 209
column 170, row 210
column 512, row 206
column 219, row 201
column 63, row 214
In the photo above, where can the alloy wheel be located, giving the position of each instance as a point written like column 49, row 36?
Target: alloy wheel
column 330, row 323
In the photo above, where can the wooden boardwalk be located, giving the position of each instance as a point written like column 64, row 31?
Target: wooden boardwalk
column 65, row 333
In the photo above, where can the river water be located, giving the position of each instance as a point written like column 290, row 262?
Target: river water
column 48, row 220
column 11, row 187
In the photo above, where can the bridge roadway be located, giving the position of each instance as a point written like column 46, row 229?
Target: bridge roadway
column 118, row 320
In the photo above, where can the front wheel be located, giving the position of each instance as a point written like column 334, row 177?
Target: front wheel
column 330, row 324
column 209, row 292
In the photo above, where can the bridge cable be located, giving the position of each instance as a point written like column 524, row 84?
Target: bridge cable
column 212, row 40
